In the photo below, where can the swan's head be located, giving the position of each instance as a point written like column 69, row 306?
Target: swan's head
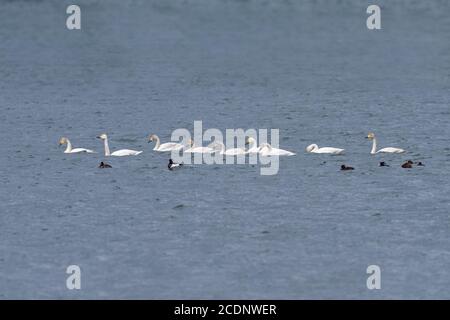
column 249, row 140
column 311, row 147
column 152, row 138
column 62, row 141
column 103, row 136
column 371, row 136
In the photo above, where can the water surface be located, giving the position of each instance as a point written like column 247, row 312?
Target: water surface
column 309, row 68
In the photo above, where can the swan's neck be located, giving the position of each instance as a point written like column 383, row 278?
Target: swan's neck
column 107, row 152
column 158, row 143
column 253, row 146
column 374, row 146
column 222, row 147
column 69, row 146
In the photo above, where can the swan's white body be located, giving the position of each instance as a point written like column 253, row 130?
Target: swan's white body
column 389, row 150
column 200, row 150
column 194, row 149
column 118, row 153
column 231, row 151
column 266, row 149
column 79, row 150
column 165, row 147
column 69, row 148
column 314, row 148
column 124, row 152
column 371, row 136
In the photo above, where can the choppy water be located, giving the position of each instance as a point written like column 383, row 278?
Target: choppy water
column 310, row 68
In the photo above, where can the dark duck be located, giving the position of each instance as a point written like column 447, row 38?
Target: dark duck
column 104, row 165
column 407, row 165
column 172, row 165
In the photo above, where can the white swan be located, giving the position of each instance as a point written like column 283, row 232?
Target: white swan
column 252, row 147
column 69, row 148
column 314, row 148
column 371, row 136
column 193, row 149
column 228, row 152
column 266, row 149
column 165, row 147
column 118, row 153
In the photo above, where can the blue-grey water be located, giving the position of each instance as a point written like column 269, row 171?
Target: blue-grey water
column 310, row 68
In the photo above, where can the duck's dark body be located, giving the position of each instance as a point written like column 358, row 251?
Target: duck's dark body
column 407, row 165
column 172, row 165
column 104, row 165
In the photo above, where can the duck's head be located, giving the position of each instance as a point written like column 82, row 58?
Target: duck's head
column 152, row 138
column 62, row 141
column 370, row 136
column 311, row 147
column 103, row 136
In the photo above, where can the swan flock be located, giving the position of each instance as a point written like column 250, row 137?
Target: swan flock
column 264, row 149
